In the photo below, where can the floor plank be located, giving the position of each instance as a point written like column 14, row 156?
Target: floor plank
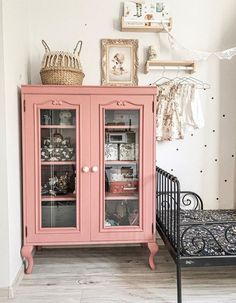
column 119, row 275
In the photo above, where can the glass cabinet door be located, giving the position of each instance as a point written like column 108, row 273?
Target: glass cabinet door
column 58, row 168
column 121, row 154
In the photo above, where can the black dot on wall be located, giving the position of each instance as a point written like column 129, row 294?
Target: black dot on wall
column 177, row 149
column 171, row 169
column 205, row 145
column 85, row 24
column 212, row 98
column 226, row 180
column 214, row 130
column 216, row 160
column 191, row 135
column 217, row 199
column 232, row 156
column 223, row 116
column 201, row 171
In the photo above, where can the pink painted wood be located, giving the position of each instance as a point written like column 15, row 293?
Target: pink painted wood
column 146, row 183
column 153, row 248
column 26, row 253
column 89, row 103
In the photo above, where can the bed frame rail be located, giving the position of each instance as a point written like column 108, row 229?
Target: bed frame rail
column 168, row 205
column 170, row 202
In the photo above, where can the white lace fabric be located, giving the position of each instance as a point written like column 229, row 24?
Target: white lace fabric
column 178, row 111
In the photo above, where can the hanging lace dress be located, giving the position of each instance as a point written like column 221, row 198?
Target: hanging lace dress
column 168, row 114
column 178, row 110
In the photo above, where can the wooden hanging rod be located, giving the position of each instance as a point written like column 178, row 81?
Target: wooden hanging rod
column 189, row 66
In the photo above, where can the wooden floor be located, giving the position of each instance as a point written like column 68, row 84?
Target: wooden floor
column 119, row 275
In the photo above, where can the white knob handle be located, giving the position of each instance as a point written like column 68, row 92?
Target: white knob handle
column 94, row 169
column 85, row 169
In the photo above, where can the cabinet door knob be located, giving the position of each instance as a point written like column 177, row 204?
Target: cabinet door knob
column 94, row 169
column 85, row 169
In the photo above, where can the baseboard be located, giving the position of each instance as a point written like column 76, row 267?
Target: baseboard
column 9, row 292
column 4, row 292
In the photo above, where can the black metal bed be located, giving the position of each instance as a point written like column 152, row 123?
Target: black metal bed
column 193, row 236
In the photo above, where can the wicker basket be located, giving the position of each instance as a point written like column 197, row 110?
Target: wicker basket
column 61, row 68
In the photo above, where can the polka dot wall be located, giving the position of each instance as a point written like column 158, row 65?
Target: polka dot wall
column 205, row 160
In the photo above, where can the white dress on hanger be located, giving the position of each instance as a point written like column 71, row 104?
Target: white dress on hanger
column 178, row 110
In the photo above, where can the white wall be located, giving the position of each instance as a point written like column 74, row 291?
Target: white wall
column 198, row 24
column 15, row 53
column 4, row 227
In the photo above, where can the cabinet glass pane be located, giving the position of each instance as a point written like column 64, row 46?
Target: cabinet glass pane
column 58, row 214
column 58, row 168
column 122, row 207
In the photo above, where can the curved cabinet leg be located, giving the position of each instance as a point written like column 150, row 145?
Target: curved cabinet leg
column 153, row 248
column 26, row 253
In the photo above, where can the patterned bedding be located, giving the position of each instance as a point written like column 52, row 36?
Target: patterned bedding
column 208, row 232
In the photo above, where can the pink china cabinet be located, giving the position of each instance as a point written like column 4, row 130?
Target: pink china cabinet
column 88, row 167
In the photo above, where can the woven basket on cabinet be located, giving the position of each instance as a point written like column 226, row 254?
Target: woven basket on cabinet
column 61, row 68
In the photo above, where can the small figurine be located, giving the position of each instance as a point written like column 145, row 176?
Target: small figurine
column 160, row 7
column 52, row 181
column 57, row 139
column 148, row 17
column 46, row 119
column 57, row 186
column 121, row 210
column 134, row 217
column 152, row 53
column 63, row 182
column 65, row 117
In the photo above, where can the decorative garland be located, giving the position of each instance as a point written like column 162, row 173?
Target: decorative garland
column 194, row 54
column 200, row 55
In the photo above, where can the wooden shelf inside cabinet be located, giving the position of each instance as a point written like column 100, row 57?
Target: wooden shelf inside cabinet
column 188, row 66
column 58, row 162
column 58, row 126
column 111, row 196
column 156, row 28
column 121, row 126
column 118, row 162
column 70, row 197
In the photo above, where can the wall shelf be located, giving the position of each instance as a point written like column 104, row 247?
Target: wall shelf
column 188, row 66
column 157, row 27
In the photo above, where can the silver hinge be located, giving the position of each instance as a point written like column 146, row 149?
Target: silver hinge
column 24, row 105
column 26, row 231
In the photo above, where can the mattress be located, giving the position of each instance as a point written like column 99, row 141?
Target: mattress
column 208, row 232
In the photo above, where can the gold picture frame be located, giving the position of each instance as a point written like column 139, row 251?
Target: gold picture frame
column 119, row 62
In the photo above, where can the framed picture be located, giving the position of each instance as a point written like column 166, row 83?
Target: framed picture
column 119, row 62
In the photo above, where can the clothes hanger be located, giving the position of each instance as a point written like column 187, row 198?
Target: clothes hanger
column 160, row 79
column 199, row 83
column 167, row 79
